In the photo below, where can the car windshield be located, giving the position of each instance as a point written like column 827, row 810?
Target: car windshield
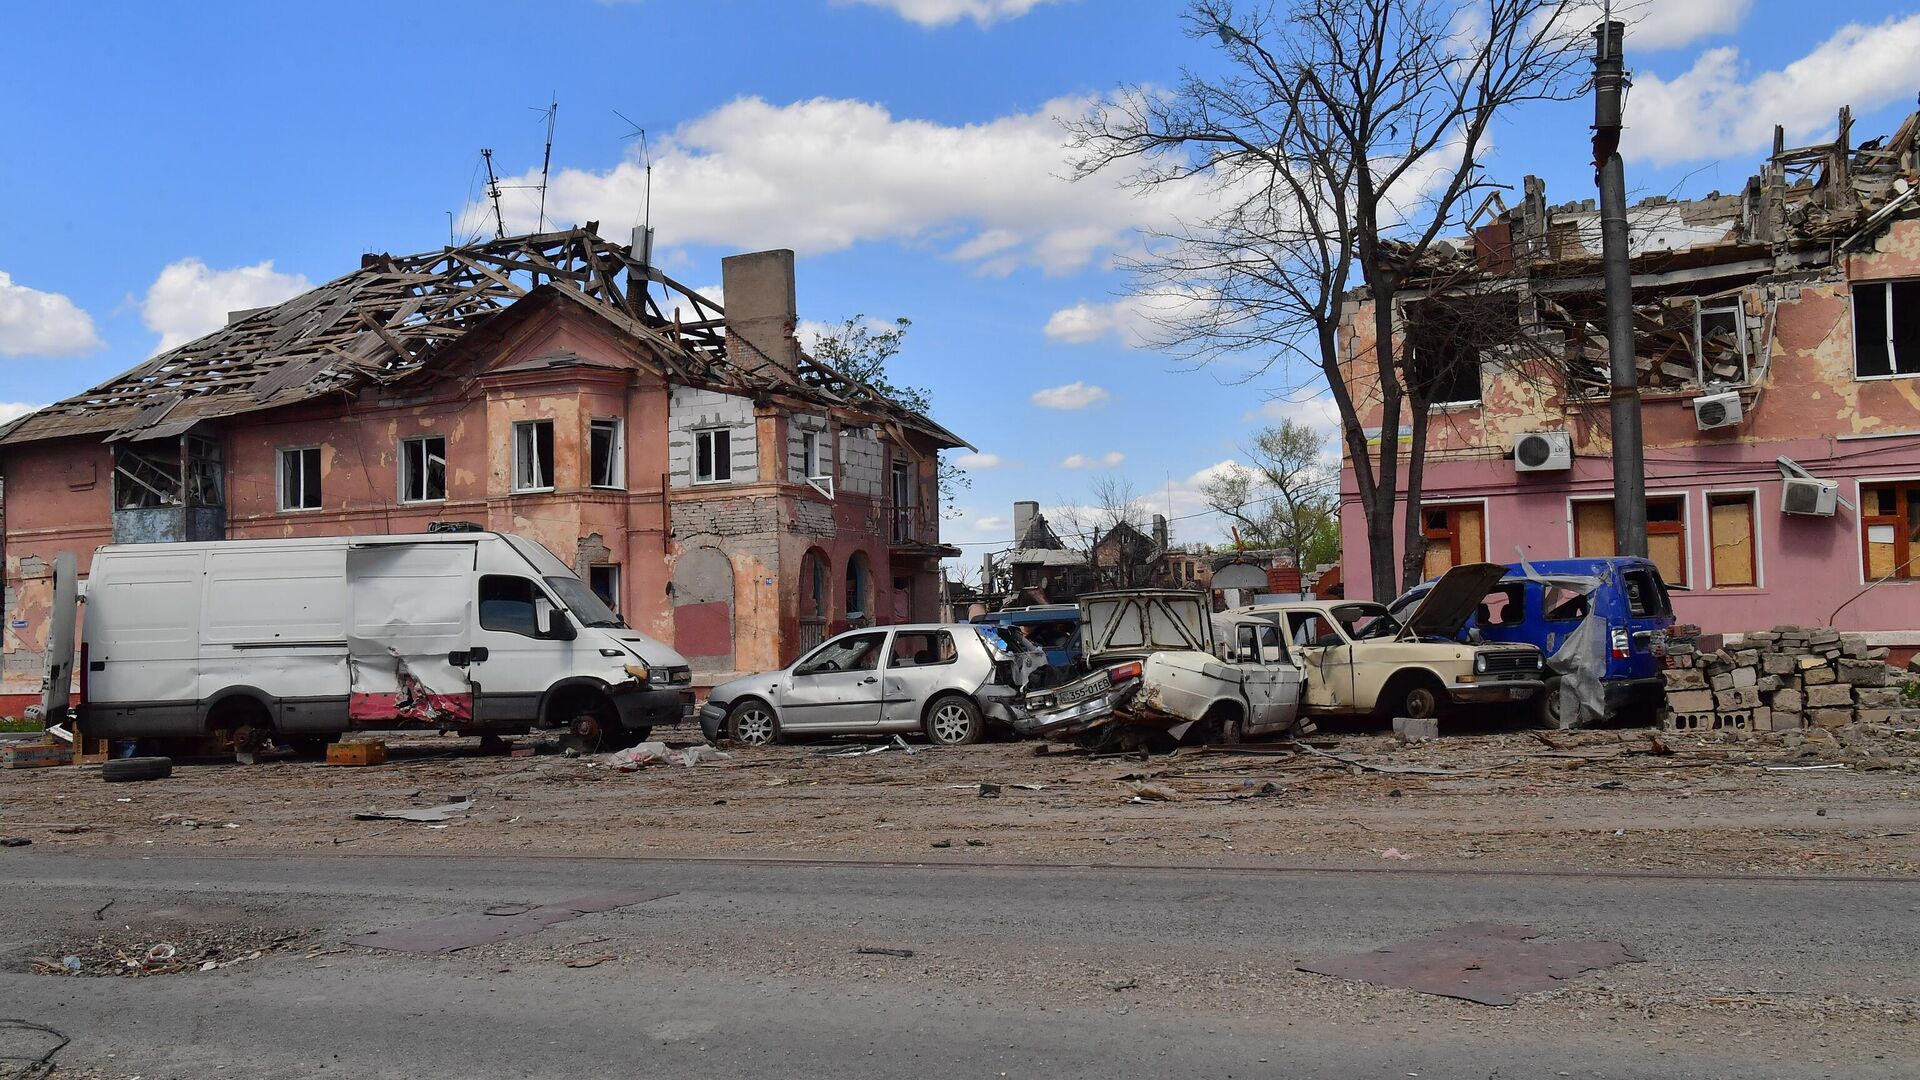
column 588, row 608
column 1367, row 623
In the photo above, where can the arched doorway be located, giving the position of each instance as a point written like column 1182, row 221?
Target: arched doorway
column 859, row 590
column 703, row 609
column 816, row 597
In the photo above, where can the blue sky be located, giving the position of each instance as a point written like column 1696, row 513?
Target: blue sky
column 165, row 164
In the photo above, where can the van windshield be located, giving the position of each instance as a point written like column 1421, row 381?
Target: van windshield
column 588, row 608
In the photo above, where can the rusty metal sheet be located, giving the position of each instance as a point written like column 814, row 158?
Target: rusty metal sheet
column 1488, row 963
column 456, row 932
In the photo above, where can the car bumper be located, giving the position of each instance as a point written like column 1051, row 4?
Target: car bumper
column 1490, row 693
column 653, row 707
column 1070, row 720
column 713, row 720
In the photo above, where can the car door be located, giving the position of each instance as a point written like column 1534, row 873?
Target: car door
column 1326, row 659
column 837, row 686
column 1269, row 677
column 919, row 663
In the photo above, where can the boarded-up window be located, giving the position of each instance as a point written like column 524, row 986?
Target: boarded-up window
column 1890, row 518
column 1454, row 535
column 1666, row 533
column 1730, row 533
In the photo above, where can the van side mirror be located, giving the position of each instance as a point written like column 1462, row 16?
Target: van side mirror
column 550, row 622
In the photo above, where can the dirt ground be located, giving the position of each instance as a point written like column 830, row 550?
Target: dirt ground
column 1605, row 800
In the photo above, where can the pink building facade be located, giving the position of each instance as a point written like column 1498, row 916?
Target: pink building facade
column 1781, row 323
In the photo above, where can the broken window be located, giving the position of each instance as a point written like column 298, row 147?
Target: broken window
column 604, row 580
column 1443, row 363
column 810, row 455
column 1886, row 329
column 1890, row 526
column 423, row 469
column 1454, row 535
column 533, row 455
column 1593, row 536
column 713, row 456
column 606, row 464
column 1720, row 343
column 300, row 478
column 1505, row 606
column 857, row 652
column 1565, row 604
column 1731, row 537
column 922, row 649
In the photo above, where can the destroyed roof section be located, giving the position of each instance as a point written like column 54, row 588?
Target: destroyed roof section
column 396, row 315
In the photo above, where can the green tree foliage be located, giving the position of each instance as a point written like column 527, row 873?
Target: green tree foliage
column 861, row 349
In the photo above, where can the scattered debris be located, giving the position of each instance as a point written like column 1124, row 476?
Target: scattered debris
column 456, row 932
column 872, row 950
column 198, row 949
column 1151, row 792
column 589, row 961
column 989, row 791
column 443, row 812
column 1487, row 963
column 128, row 770
column 976, row 843
column 1130, row 984
column 1395, row 853
column 14, row 841
column 943, row 843
column 371, row 752
column 100, row 913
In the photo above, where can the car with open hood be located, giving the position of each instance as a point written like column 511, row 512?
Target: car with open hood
column 1358, row 658
column 1163, row 663
column 948, row 681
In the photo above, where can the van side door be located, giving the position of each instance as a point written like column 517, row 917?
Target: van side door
column 408, row 615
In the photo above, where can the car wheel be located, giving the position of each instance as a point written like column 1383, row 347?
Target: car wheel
column 753, row 723
column 595, row 729
column 124, row 770
column 1420, row 702
column 954, row 721
column 1549, row 714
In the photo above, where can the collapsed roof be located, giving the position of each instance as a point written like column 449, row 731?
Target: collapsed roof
column 395, row 316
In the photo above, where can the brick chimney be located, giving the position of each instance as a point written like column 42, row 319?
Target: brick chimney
column 761, row 310
column 1023, row 515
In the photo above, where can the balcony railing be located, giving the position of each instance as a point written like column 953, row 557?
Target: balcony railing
column 911, row 526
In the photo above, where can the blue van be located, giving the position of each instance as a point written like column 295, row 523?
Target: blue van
column 1545, row 609
column 1055, row 628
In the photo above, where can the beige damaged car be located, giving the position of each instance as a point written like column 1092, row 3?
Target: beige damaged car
column 1359, row 659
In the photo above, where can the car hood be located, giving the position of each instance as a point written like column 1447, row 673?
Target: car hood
column 1444, row 611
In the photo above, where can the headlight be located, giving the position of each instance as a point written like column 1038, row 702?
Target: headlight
column 639, row 672
column 661, row 677
column 1480, row 663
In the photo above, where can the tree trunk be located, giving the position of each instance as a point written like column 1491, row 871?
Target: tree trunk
column 1413, row 558
column 1379, row 512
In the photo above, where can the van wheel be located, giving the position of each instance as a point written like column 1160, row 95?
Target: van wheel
column 125, row 770
column 1549, row 707
column 953, row 720
column 595, row 729
column 752, row 723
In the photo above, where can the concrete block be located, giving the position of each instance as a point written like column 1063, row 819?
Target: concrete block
column 1809, row 663
column 1721, row 680
column 1736, row 699
column 1690, row 701
column 1736, row 720
column 1416, row 730
column 1763, row 719
column 1760, row 640
column 1789, row 700
column 1689, row 721
column 1681, row 648
column 1830, row 718
column 1767, row 684
column 1778, row 664
column 1744, row 677
column 1862, row 672
column 1820, row 676
column 1788, row 721
column 1879, row 653
column 1832, row 696
column 1853, row 647
column 1875, row 716
column 1746, row 657
column 1687, row 660
column 1683, row 679
column 1877, row 697
column 1823, row 636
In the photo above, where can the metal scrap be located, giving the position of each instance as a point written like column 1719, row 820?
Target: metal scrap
column 1487, row 963
column 423, row 814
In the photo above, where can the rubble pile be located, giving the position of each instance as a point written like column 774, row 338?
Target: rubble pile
column 1784, row 679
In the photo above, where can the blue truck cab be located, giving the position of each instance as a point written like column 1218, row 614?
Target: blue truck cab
column 1545, row 609
column 1055, row 628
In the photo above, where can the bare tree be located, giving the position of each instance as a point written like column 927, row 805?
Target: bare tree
column 1286, row 498
column 1341, row 142
column 1108, row 530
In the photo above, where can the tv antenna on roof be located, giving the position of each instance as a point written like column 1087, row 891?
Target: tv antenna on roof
column 646, row 204
column 552, row 112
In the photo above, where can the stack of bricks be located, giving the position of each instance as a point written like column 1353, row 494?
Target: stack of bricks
column 1783, row 679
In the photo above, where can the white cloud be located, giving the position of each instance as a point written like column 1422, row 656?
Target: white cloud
column 35, row 323
column 1653, row 25
column 1717, row 109
column 980, row 461
column 989, row 524
column 13, row 410
column 825, row 174
column 943, row 12
column 1319, row 411
column 1138, row 321
column 190, row 299
column 1074, row 395
column 1112, row 459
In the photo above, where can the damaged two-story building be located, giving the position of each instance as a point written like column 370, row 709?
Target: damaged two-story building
column 723, row 490
column 1777, row 338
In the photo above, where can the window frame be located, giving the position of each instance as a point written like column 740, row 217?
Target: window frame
column 613, row 572
column 280, row 479
column 1866, row 520
column 1738, row 309
column 1853, row 327
column 536, row 593
column 1654, row 528
column 551, row 477
column 706, row 436
column 953, row 649
column 803, row 668
column 406, row 462
column 1752, row 496
column 810, row 455
column 1452, row 531
column 616, row 454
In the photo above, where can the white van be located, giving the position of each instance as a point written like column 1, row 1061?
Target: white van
column 475, row 632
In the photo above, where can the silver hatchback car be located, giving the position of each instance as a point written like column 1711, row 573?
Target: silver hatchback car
column 947, row 680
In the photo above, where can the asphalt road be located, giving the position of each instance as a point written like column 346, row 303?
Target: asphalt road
column 753, row 969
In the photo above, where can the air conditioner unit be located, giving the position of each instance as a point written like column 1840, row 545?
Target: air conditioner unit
column 1718, row 410
column 1813, row 498
column 1543, row 451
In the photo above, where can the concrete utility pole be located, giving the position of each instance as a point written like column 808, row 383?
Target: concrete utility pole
column 1629, row 464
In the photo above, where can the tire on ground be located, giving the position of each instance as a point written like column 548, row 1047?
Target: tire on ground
column 124, row 770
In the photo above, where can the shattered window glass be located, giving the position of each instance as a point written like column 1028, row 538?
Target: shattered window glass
column 857, row 652
column 423, row 469
column 604, row 453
